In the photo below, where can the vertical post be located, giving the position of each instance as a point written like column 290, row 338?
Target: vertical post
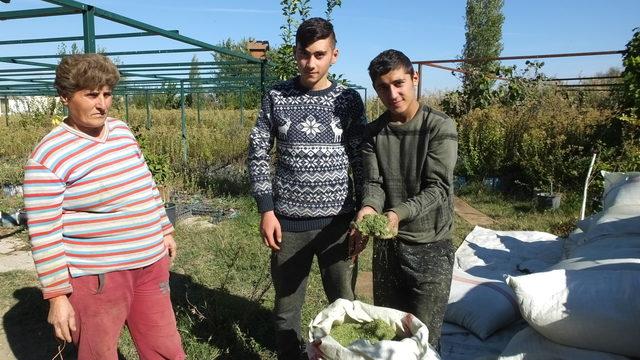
column 89, row 28
column 146, row 95
column 419, row 81
column 6, row 110
column 198, row 105
column 126, row 107
column 184, row 123
column 263, row 71
column 366, row 100
column 241, row 107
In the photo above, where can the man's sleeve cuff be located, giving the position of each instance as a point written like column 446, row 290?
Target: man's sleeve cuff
column 264, row 202
column 372, row 204
column 402, row 211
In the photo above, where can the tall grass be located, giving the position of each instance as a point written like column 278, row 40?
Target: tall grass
column 218, row 139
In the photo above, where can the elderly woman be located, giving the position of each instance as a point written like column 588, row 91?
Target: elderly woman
column 100, row 237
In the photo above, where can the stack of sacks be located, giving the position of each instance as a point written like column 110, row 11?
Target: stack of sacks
column 589, row 300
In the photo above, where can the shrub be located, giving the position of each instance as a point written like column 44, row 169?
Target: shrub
column 544, row 138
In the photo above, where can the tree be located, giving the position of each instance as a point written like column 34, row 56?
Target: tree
column 195, row 83
column 483, row 37
column 231, row 75
column 631, row 78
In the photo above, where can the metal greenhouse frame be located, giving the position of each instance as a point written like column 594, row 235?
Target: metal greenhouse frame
column 33, row 75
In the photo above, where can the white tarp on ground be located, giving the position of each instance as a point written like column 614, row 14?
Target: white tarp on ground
column 490, row 254
column 495, row 254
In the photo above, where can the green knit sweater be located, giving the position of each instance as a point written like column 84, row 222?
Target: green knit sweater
column 408, row 169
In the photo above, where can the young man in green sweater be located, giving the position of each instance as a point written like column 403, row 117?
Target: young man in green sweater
column 409, row 155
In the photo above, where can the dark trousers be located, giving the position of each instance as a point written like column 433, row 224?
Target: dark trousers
column 290, row 269
column 414, row 278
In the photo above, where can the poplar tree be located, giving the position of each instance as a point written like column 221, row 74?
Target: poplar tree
column 483, row 37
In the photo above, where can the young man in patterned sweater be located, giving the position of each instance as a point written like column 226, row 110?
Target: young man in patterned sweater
column 409, row 155
column 307, row 206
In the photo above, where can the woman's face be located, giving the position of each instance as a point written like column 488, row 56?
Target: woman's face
column 88, row 109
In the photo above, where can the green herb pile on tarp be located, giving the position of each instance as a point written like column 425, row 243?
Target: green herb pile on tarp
column 374, row 331
column 374, row 226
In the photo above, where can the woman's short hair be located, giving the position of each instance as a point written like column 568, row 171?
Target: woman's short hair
column 85, row 71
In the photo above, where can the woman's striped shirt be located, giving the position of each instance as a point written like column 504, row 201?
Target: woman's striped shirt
column 92, row 206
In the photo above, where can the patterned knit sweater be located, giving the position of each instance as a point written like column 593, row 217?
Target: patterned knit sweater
column 92, row 206
column 319, row 138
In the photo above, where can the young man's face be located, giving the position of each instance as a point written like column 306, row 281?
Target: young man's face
column 396, row 90
column 314, row 62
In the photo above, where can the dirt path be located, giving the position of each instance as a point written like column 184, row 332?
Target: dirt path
column 13, row 256
column 469, row 214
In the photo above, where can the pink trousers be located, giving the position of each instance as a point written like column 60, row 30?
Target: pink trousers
column 140, row 298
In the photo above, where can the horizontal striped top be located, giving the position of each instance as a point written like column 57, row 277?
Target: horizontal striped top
column 92, row 206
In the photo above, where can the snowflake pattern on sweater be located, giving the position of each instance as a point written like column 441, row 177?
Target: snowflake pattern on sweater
column 319, row 139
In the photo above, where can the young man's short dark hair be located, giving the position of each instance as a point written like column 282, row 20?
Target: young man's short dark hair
column 314, row 29
column 389, row 60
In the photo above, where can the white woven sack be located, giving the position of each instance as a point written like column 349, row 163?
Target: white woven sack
column 596, row 309
column 530, row 345
column 415, row 346
column 480, row 305
column 621, row 188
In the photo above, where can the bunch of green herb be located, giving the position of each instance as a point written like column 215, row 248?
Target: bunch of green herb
column 374, row 331
column 374, row 226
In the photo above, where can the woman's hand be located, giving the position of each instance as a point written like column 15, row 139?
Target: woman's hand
column 171, row 246
column 62, row 317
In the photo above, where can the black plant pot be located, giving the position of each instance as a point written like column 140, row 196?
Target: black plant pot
column 545, row 201
column 170, row 208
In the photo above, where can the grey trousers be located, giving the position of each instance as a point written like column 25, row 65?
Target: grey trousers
column 290, row 269
column 414, row 278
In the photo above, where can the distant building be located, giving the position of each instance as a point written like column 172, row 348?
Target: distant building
column 258, row 49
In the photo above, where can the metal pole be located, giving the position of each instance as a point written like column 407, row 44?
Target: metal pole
column 89, row 28
column 126, row 107
column 419, row 81
column 146, row 95
column 586, row 186
column 6, row 110
column 184, row 123
column 263, row 71
column 241, row 107
column 198, row 106
column 365, row 102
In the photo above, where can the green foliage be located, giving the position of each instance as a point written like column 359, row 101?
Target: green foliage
column 482, row 138
column 250, row 97
column 159, row 163
column 195, row 83
column 483, row 39
column 537, row 137
column 331, row 4
column 374, row 226
column 283, row 62
column 11, row 171
column 373, row 331
column 631, row 76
